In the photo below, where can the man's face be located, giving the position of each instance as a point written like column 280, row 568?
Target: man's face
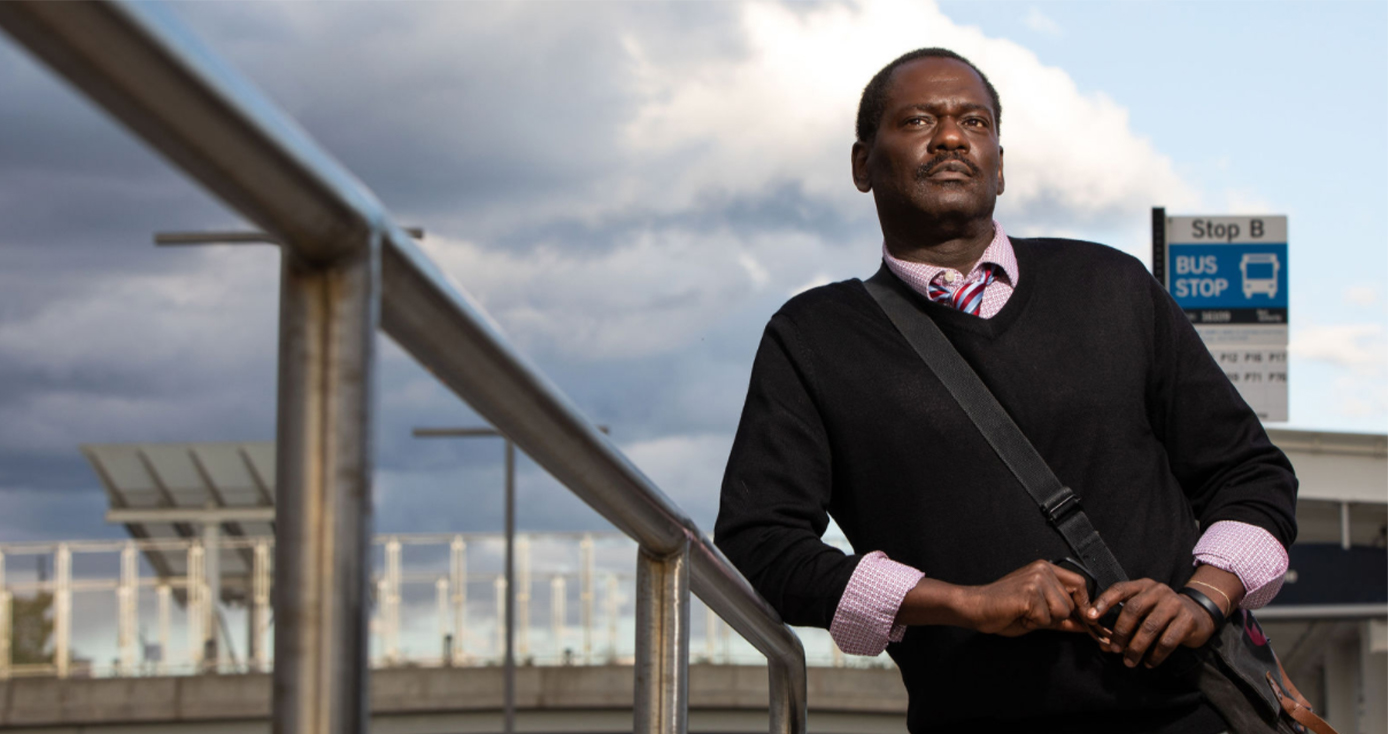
column 936, row 151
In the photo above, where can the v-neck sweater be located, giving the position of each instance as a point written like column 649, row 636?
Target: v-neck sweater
column 1107, row 378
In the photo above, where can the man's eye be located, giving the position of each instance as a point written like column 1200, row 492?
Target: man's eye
column 917, row 121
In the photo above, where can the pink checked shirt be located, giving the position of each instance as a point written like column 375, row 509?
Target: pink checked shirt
column 865, row 620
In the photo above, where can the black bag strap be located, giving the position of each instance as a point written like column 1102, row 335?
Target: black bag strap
column 1058, row 503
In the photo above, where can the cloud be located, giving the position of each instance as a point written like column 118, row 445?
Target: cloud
column 1361, row 295
column 783, row 113
column 1041, row 23
column 1362, row 348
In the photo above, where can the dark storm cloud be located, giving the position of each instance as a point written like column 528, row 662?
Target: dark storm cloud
column 500, row 125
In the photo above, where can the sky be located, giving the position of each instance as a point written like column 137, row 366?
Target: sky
column 631, row 190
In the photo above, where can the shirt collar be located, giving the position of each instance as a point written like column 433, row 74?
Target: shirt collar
column 918, row 275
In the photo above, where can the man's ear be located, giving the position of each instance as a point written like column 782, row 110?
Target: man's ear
column 1001, row 183
column 861, row 179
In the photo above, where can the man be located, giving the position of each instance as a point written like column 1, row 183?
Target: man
column 1101, row 371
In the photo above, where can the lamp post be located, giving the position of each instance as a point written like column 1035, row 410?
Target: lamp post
column 509, row 694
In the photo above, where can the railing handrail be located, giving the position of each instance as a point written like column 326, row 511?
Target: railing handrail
column 146, row 69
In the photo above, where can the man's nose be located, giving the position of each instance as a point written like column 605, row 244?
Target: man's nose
column 948, row 136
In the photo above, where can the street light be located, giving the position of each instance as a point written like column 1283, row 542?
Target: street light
column 510, row 671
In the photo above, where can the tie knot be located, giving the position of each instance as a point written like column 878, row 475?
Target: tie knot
column 966, row 296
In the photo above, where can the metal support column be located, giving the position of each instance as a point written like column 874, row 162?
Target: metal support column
column 457, row 572
column 62, row 609
column 391, row 604
column 212, row 596
column 522, row 596
column 260, row 608
column 558, row 612
column 328, row 318
column 441, row 611
column 612, row 604
column 662, row 643
column 165, row 598
column 5, row 614
column 585, row 595
column 194, row 609
column 508, row 702
column 127, row 608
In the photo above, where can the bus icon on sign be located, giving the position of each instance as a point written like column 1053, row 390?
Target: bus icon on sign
column 1259, row 273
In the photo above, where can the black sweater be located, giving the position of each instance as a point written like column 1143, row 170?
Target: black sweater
column 1106, row 377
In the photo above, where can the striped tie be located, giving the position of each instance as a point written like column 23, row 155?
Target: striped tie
column 968, row 297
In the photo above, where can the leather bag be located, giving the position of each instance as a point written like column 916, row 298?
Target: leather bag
column 1236, row 670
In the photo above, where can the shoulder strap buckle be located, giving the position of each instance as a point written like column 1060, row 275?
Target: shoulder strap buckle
column 1061, row 505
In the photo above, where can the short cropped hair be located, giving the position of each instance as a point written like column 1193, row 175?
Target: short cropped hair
column 874, row 101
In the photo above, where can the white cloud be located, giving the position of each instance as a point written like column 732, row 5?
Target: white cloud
column 652, row 293
column 783, row 114
column 1042, row 23
column 688, row 468
column 1359, row 347
column 1361, row 295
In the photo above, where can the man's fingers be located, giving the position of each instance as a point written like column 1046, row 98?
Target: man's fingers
column 1135, row 609
column 1112, row 595
column 1176, row 633
column 1072, row 582
column 1164, row 609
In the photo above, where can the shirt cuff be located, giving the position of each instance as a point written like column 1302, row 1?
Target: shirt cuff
column 1249, row 552
column 865, row 620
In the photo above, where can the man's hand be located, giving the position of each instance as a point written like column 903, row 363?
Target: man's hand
column 1152, row 613
column 1039, row 595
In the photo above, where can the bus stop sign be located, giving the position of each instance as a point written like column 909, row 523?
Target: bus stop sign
column 1229, row 274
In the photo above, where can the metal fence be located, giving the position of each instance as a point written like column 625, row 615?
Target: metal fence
column 437, row 601
column 348, row 269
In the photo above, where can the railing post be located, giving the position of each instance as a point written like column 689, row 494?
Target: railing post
column 62, row 609
column 193, row 611
column 211, row 596
column 788, row 696
column 5, row 615
column 328, row 317
column 522, row 596
column 662, row 643
column 585, row 595
column 164, row 594
column 127, row 608
column 390, row 606
column 260, row 607
column 457, row 562
column 558, row 613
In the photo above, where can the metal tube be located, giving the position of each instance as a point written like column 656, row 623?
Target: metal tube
column 212, row 596
column 127, row 608
column 522, row 596
column 441, row 613
column 194, row 612
column 165, row 596
column 62, row 609
column 508, row 704
column 328, row 317
column 391, row 617
column 585, row 595
column 662, row 644
column 457, row 561
column 260, row 607
column 5, row 614
column 558, row 593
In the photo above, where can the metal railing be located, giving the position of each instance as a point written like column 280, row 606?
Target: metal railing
column 134, row 608
column 348, row 269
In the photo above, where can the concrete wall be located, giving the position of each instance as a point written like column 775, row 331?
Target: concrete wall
column 449, row 701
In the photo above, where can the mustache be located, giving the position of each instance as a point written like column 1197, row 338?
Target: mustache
column 923, row 171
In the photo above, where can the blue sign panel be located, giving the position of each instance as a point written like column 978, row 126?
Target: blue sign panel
column 1228, row 276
